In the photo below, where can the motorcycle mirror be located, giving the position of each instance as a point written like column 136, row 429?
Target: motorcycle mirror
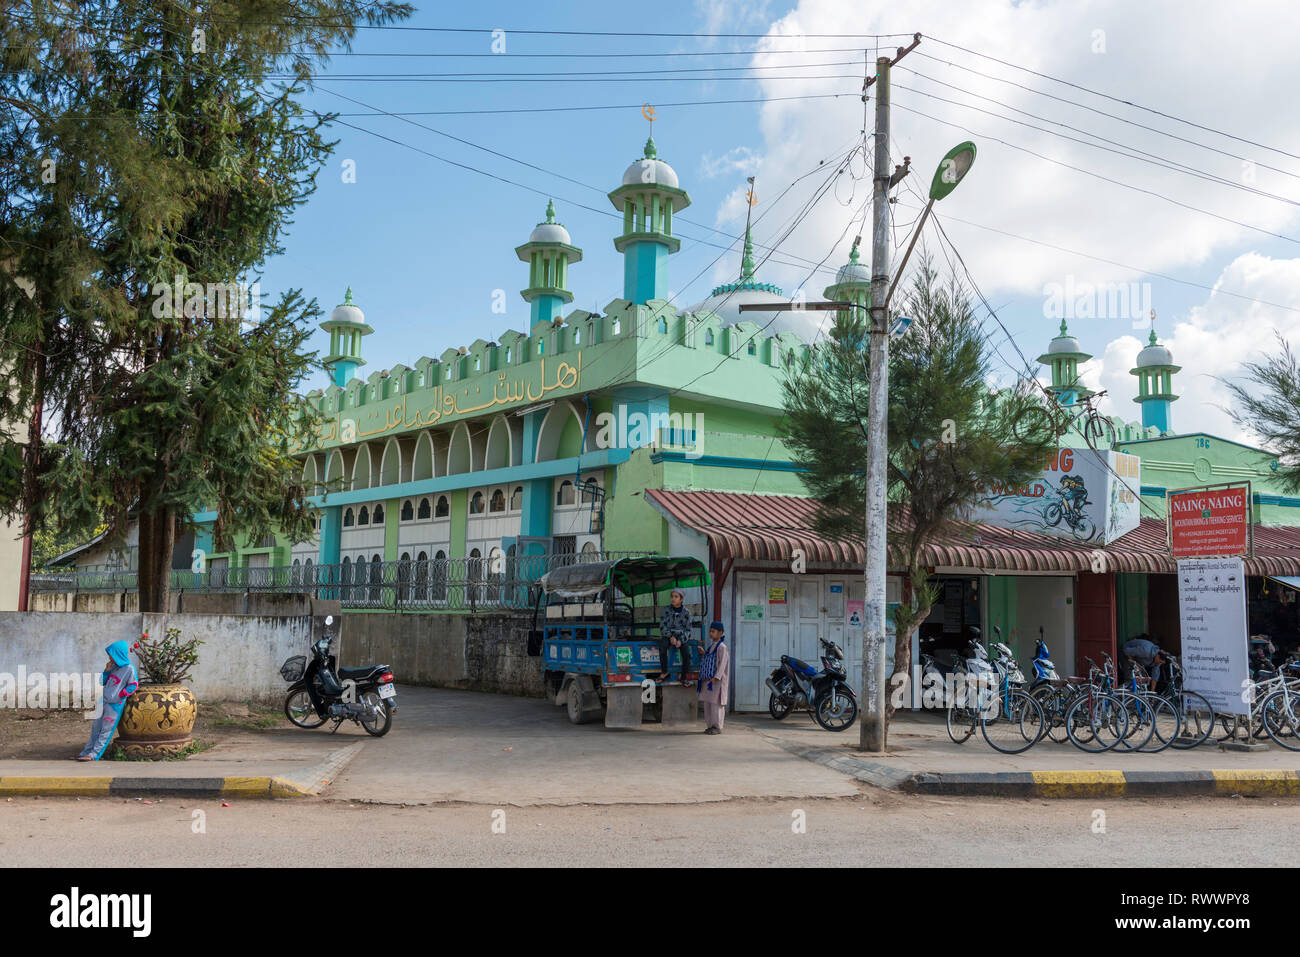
column 329, row 620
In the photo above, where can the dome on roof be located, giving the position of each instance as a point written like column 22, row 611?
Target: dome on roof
column 1064, row 343
column 650, row 170
column 853, row 271
column 726, row 300
column 348, row 311
column 550, row 231
column 1154, row 354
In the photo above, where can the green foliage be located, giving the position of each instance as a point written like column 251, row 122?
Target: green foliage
column 1268, row 404
column 950, row 436
column 168, row 661
column 144, row 144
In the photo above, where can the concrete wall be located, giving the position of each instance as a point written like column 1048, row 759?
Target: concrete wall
column 202, row 603
column 239, row 659
column 485, row 652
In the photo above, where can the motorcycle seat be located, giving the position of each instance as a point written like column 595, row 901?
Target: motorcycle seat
column 356, row 674
column 801, row 666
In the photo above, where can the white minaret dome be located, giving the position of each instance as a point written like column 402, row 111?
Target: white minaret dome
column 348, row 311
column 650, row 170
column 1154, row 354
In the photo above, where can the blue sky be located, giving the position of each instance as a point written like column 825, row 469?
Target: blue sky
column 424, row 244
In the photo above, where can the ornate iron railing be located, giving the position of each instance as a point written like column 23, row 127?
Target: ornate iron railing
column 451, row 584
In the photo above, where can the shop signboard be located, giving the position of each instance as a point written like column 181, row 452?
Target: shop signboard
column 1081, row 495
column 1212, row 613
column 1210, row 521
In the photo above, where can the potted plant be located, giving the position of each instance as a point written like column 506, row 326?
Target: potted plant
column 158, row 720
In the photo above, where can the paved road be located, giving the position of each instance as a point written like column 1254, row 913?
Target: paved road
column 872, row 828
column 498, row 749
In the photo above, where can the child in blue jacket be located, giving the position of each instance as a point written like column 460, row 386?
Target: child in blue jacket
column 119, row 682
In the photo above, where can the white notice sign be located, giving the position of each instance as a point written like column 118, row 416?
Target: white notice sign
column 1212, row 611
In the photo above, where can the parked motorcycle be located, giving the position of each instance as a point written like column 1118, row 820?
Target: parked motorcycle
column 797, row 684
column 319, row 691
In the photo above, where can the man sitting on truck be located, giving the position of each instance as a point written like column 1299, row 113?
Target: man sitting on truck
column 675, row 632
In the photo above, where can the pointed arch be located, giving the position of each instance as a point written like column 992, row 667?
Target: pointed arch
column 335, row 469
column 500, row 445
column 441, row 446
column 459, row 452
column 390, row 465
column 422, row 464
column 361, row 468
column 560, row 418
column 310, row 475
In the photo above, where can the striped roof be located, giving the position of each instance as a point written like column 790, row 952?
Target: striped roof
column 770, row 527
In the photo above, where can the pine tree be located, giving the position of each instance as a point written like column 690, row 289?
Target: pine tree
column 1268, row 404
column 949, row 435
column 152, row 155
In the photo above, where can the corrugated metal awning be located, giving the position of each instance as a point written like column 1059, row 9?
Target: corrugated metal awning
column 770, row 527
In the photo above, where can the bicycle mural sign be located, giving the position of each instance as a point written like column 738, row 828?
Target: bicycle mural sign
column 1212, row 616
column 1210, row 521
column 1082, row 495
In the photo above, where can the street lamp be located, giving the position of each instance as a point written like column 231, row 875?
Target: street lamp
column 952, row 169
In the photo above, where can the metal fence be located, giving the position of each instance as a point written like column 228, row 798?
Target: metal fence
column 450, row 584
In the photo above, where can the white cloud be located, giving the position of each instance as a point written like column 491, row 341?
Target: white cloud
column 741, row 161
column 1212, row 342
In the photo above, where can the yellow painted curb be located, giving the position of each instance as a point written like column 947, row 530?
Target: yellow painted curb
column 1078, row 783
column 77, row 786
column 281, row 788
column 1256, row 782
column 258, row 787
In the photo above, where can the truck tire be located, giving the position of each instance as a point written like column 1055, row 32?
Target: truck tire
column 574, row 705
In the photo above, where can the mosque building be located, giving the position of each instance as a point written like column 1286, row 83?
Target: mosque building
column 645, row 427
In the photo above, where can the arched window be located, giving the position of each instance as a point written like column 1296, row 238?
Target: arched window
column 507, row 355
column 295, row 576
column 541, row 346
column 789, row 358
column 617, row 326
column 408, row 510
column 422, row 576
column 477, row 361
column 379, row 515
column 348, row 519
column 424, row 508
column 498, row 501
column 439, row 574
column 751, row 350
column 345, row 578
column 708, row 337
column 565, row 495
column 404, row 577
column 363, row 517
column 376, row 575
column 517, row 498
column 577, row 336
column 448, row 372
column 663, row 325
column 589, row 552
column 590, row 489
column 443, row 509
column 476, row 504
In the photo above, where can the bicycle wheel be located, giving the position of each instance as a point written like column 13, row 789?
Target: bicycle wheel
column 1012, row 723
column 1141, row 722
column 1281, row 714
column 1165, row 724
column 1197, row 717
column 961, row 723
column 1096, row 722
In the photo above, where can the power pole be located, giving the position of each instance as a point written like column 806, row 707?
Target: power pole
column 874, row 678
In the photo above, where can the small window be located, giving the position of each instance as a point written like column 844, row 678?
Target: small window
column 577, row 337
column 379, row 515
column 476, row 504
column 751, row 349
column 408, row 510
column 424, row 508
column 349, row 519
column 789, row 358
column 498, row 501
column 663, row 325
column 565, row 495
column 507, row 355
column 708, row 337
column 590, row 490
column 448, row 372
column 443, row 509
column 617, row 326
column 517, row 498
column 477, row 361
column 541, row 347
column 363, row 517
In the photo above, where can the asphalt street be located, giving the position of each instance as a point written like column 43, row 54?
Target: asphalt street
column 874, row 828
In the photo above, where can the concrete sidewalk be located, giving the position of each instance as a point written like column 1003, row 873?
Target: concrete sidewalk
column 276, row 764
column 922, row 759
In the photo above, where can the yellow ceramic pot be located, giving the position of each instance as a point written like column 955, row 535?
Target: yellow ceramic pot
column 158, row 721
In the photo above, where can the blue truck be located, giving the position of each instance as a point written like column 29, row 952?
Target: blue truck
column 596, row 627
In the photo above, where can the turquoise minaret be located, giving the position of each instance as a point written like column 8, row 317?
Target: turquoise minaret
column 548, row 252
column 852, row 284
column 346, row 325
column 648, row 200
column 1063, row 355
column 1155, row 373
